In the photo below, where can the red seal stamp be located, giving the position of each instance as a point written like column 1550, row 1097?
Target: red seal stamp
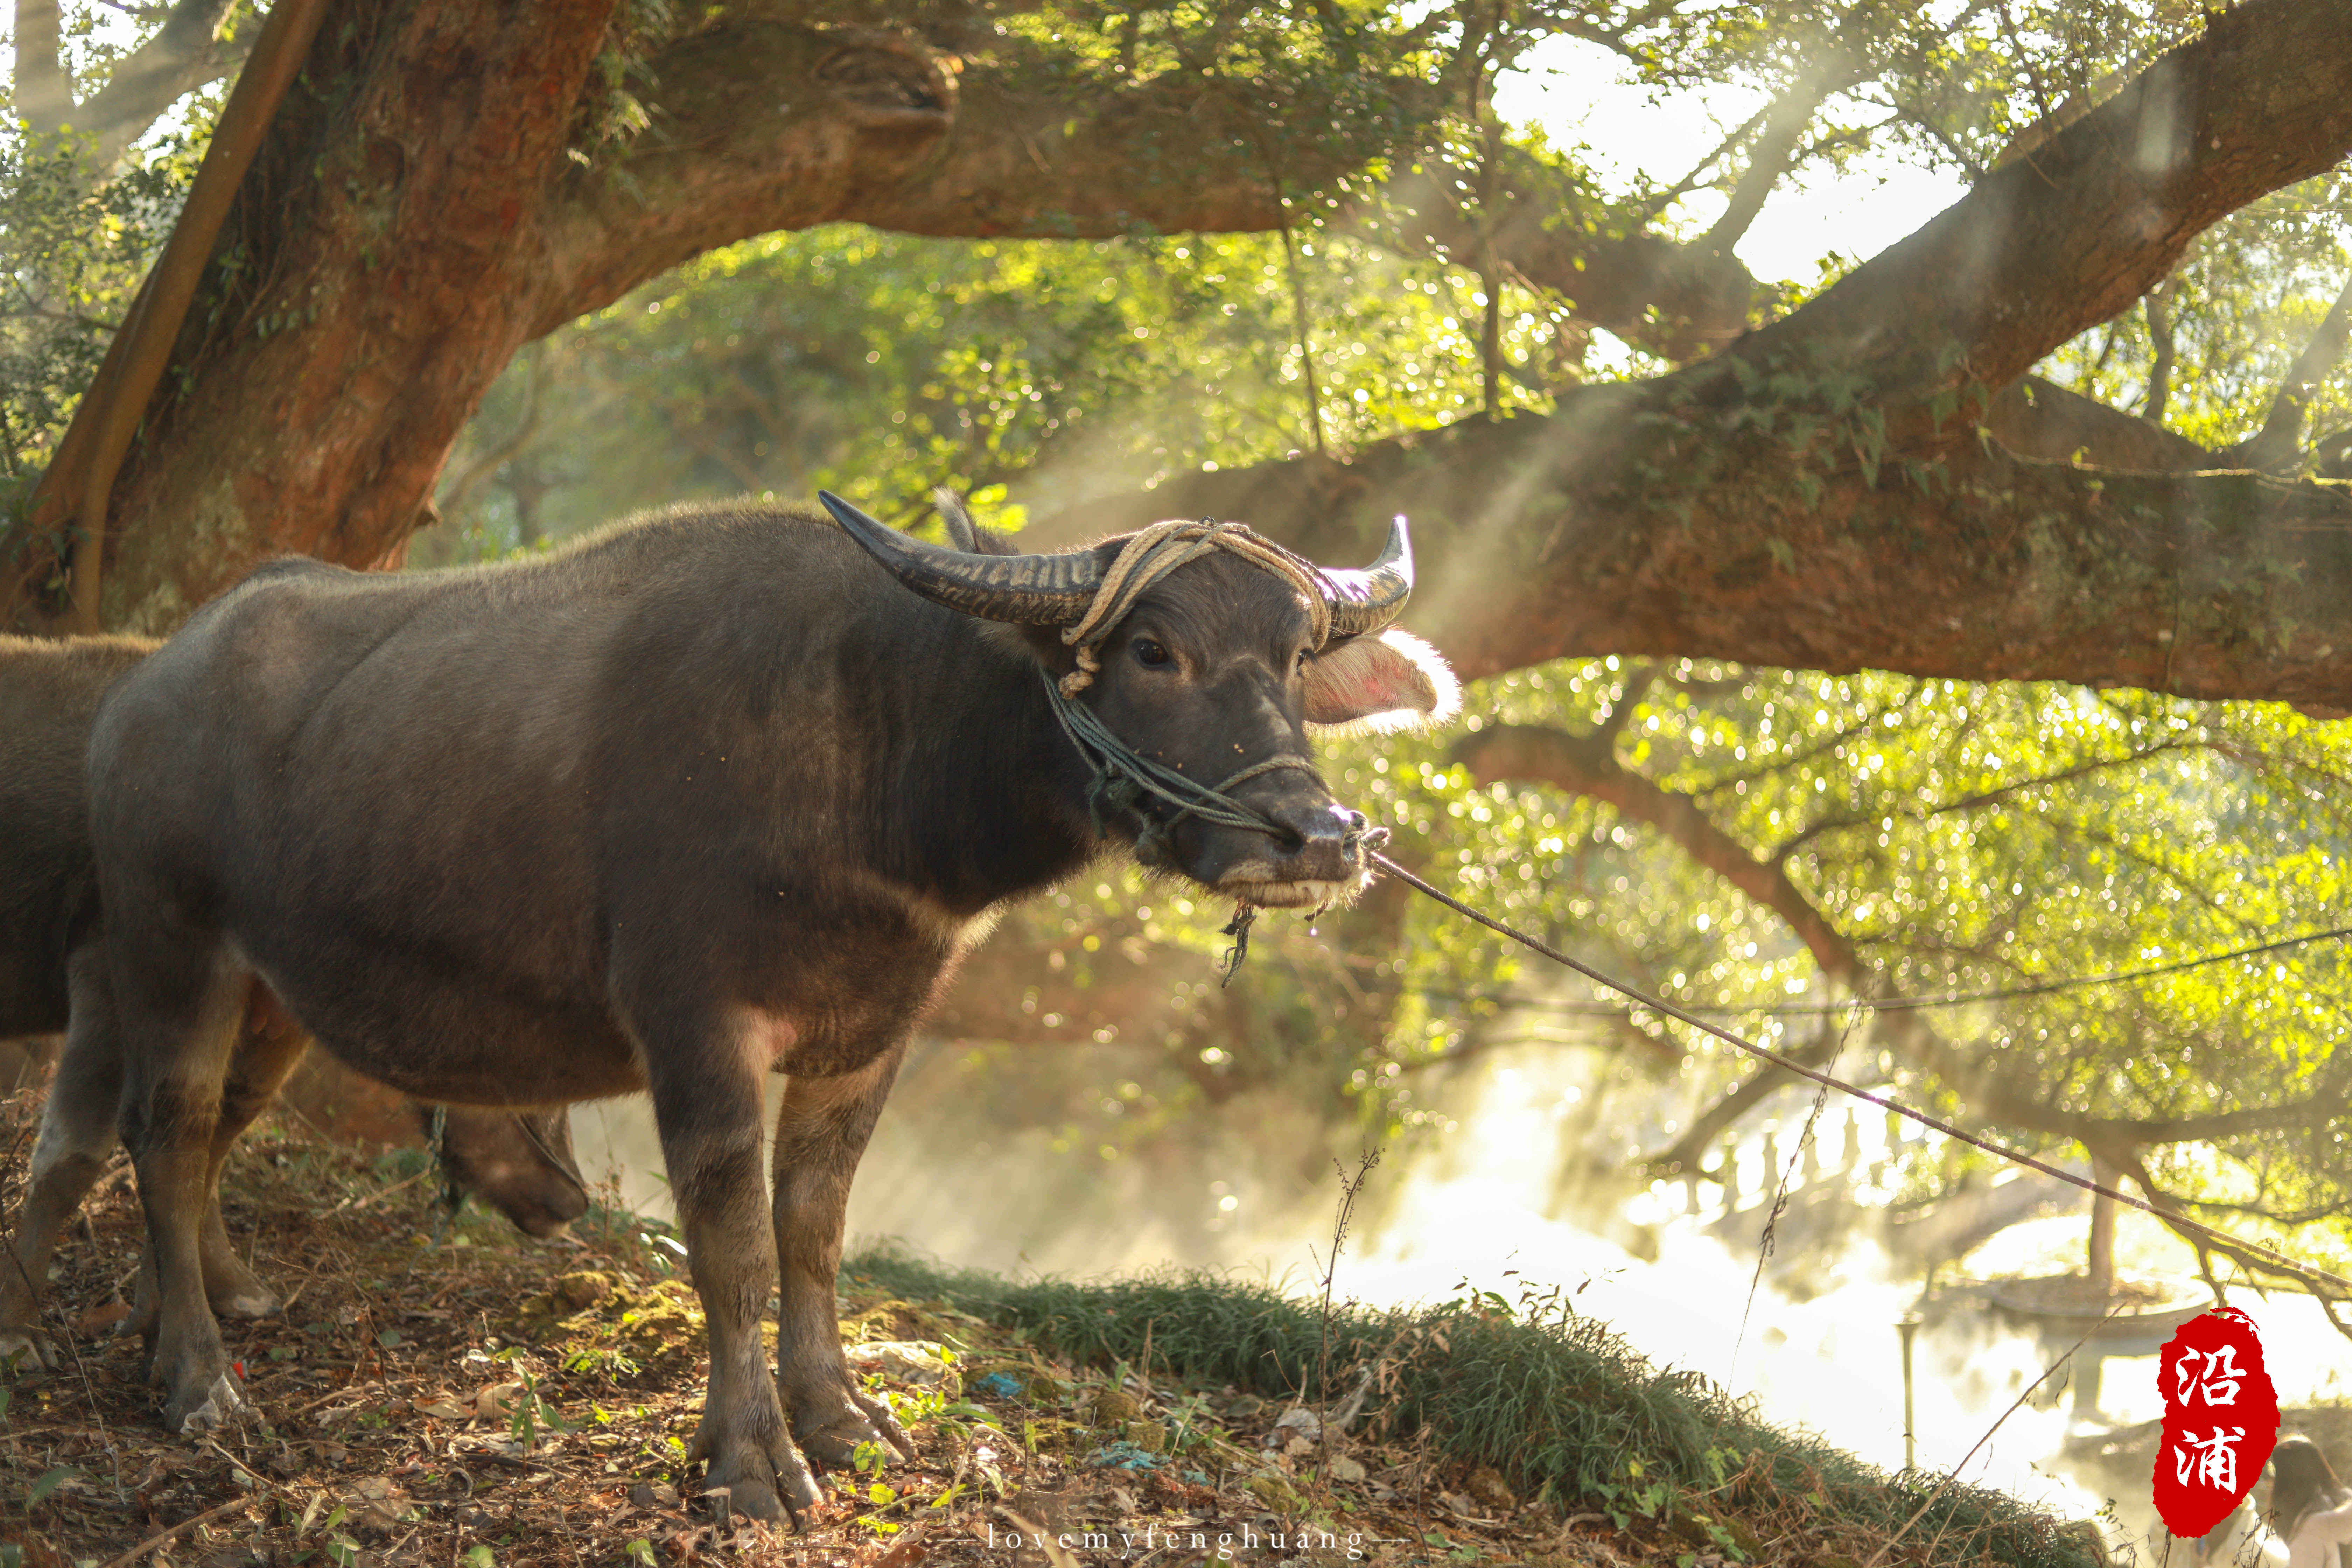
column 2221, row 1420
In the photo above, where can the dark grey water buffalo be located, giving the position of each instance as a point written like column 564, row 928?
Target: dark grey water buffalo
column 52, row 978
column 705, row 796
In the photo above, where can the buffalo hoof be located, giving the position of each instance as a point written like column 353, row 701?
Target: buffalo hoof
column 830, row 1431
column 211, row 1406
column 145, row 1316
column 231, row 1289
column 28, row 1347
column 754, row 1477
column 244, row 1297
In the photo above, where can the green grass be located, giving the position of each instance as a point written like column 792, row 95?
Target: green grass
column 1554, row 1400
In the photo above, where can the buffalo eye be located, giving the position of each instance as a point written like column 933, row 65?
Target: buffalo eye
column 1305, row 657
column 1151, row 655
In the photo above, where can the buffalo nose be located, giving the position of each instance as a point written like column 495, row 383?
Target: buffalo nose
column 1326, row 835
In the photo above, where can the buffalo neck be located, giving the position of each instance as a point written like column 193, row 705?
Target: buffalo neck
column 981, row 796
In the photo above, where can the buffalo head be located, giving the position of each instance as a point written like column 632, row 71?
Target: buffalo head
column 1214, row 671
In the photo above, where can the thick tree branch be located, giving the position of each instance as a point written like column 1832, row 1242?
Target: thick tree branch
column 184, row 54
column 2047, row 246
column 756, row 126
column 1621, row 526
column 1815, row 498
column 1674, row 301
column 2049, row 423
column 44, row 91
column 2277, row 447
column 760, row 126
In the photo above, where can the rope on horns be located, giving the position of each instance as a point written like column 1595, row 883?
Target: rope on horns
column 1161, row 548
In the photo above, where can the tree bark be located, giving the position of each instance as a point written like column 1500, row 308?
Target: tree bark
column 1797, row 499
column 314, row 410
column 1817, row 495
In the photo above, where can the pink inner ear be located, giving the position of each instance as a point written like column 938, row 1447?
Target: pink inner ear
column 1365, row 677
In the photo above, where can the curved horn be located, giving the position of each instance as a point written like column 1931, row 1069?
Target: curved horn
column 1030, row 590
column 1366, row 601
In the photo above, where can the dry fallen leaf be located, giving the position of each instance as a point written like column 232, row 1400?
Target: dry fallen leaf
column 493, row 1401
column 98, row 1319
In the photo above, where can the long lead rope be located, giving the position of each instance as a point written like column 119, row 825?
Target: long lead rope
column 1123, row 776
column 2032, row 987
column 2235, row 1244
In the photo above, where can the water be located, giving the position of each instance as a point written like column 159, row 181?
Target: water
column 1005, row 1160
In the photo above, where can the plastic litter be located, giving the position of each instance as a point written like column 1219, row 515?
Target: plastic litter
column 1123, row 1456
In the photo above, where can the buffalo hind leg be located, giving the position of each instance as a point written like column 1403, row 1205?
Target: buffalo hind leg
column 178, row 1005
column 267, row 1054
column 77, row 1138
column 821, row 1132
column 706, row 1104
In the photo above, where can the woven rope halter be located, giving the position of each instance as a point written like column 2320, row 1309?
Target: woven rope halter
column 1124, row 777
column 1161, row 548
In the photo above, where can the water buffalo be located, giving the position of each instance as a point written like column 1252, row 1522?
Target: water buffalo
column 719, row 792
column 52, row 978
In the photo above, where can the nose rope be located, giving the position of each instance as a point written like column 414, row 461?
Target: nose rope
column 1123, row 776
column 1161, row 548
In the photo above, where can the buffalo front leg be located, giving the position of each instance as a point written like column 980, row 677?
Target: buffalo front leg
column 821, row 1132
column 706, row 1103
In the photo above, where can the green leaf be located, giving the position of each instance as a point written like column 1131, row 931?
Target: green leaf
column 481, row 1556
column 49, row 1482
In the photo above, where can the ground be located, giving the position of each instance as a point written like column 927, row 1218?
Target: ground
column 445, row 1390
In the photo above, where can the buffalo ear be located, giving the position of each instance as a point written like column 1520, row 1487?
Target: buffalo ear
column 1391, row 682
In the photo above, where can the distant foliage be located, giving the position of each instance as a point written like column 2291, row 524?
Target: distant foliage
column 70, row 260
column 881, row 365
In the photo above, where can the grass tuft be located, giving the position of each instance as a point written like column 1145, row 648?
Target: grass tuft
column 1555, row 1401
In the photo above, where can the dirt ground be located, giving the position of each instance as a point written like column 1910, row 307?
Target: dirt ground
column 447, row 1392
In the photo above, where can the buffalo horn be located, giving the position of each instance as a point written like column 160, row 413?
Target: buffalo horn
column 1030, row 590
column 1366, row 601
